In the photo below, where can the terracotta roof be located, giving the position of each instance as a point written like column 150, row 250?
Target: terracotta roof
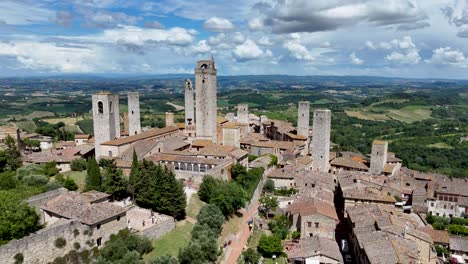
column 82, row 136
column 144, row 135
column 348, row 163
column 141, row 148
column 379, row 142
column 216, row 150
column 201, row 143
column 294, row 136
column 459, row 243
column 388, row 168
column 463, row 201
column 93, row 196
column 160, row 157
column 221, row 120
column 73, row 205
column 180, row 125
column 438, row 236
column 312, row 206
column 315, row 246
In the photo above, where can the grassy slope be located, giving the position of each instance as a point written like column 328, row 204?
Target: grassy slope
column 170, row 243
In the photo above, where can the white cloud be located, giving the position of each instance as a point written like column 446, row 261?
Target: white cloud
column 201, row 47
column 298, row 51
column 449, row 56
column 409, row 57
column 247, row 51
column 218, row 24
column 18, row 13
column 355, row 59
column 238, row 38
column 255, row 24
column 265, row 41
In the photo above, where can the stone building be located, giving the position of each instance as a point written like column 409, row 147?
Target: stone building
column 169, row 119
column 106, row 120
column 243, row 113
column 231, row 135
column 303, row 110
column 205, row 100
column 321, row 140
column 450, row 199
column 313, row 250
column 189, row 100
column 134, row 126
column 378, row 157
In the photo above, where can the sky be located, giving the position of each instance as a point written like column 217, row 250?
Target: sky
column 395, row 38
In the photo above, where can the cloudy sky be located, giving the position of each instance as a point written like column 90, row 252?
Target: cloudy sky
column 406, row 38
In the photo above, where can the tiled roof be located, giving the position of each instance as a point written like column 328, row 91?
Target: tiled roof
column 201, row 143
column 459, row 243
column 438, row 236
column 144, row 135
column 312, row 206
column 348, row 163
column 315, row 246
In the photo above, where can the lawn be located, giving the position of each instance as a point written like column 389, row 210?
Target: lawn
column 170, row 243
column 78, row 176
column 194, row 206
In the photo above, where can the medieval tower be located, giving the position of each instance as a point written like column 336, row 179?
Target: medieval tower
column 303, row 110
column 243, row 113
column 134, row 126
column 378, row 157
column 106, row 119
column 205, row 100
column 321, row 140
column 189, row 103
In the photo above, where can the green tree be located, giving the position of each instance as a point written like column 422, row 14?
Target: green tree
column 269, row 186
column 124, row 248
column 70, row 184
column 207, row 188
column 78, row 164
column 269, row 246
column 50, row 169
column 7, row 180
column 93, row 176
column 229, row 197
column 211, row 216
column 202, row 250
column 251, row 256
column 12, row 155
column 279, row 226
column 114, row 182
column 268, row 203
column 164, row 260
column 17, row 218
column 237, row 170
column 133, row 175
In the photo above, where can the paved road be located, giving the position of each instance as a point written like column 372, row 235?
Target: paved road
column 238, row 245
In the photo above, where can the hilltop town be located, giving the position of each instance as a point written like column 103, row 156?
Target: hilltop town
column 297, row 199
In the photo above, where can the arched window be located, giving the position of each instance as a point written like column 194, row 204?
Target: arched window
column 100, row 107
column 111, row 108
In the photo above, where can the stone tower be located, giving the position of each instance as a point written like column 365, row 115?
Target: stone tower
column 205, row 100
column 106, row 119
column 321, row 140
column 303, row 110
column 378, row 157
column 189, row 103
column 169, row 119
column 243, row 113
column 134, row 126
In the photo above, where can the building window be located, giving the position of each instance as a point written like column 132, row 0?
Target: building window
column 100, row 106
column 311, row 235
column 445, row 206
column 432, row 204
column 317, row 225
column 110, row 153
column 99, row 241
column 118, row 218
column 111, row 110
column 98, row 227
column 309, row 224
column 451, row 207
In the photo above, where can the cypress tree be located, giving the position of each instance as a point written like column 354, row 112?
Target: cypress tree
column 114, row 182
column 93, row 177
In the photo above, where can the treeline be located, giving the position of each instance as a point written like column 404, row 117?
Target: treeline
column 56, row 131
column 454, row 225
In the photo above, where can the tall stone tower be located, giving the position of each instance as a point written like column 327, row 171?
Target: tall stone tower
column 205, row 100
column 243, row 113
column 321, row 140
column 378, row 157
column 106, row 119
column 169, row 119
column 189, row 103
column 134, row 126
column 303, row 110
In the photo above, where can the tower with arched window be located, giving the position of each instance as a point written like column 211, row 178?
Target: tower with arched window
column 106, row 120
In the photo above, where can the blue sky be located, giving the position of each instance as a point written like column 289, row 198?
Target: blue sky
column 404, row 38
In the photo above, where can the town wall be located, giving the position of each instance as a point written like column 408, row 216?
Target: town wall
column 157, row 231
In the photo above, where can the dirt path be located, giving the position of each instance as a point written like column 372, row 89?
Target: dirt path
column 177, row 107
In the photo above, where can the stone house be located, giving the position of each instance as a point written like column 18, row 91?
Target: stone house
column 313, row 217
column 313, row 250
column 459, row 247
column 450, row 199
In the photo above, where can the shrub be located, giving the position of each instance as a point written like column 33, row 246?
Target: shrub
column 78, row 165
column 274, row 161
column 296, row 235
column 37, row 180
column 252, row 158
column 50, row 169
column 76, row 232
column 60, row 242
column 76, row 245
column 251, row 256
column 269, row 186
column 441, row 250
column 269, row 246
column 70, row 184
column 19, row 258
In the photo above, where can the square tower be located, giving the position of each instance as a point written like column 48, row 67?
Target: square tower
column 169, row 119
column 205, row 100
column 303, row 110
column 134, row 126
column 321, row 140
column 231, row 136
column 378, row 157
column 189, row 103
column 243, row 113
column 106, row 119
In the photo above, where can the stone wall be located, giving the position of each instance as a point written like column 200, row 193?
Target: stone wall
column 40, row 200
column 159, row 230
column 39, row 248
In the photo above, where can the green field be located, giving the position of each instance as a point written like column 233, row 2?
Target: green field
column 78, row 176
column 170, row 243
column 193, row 208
